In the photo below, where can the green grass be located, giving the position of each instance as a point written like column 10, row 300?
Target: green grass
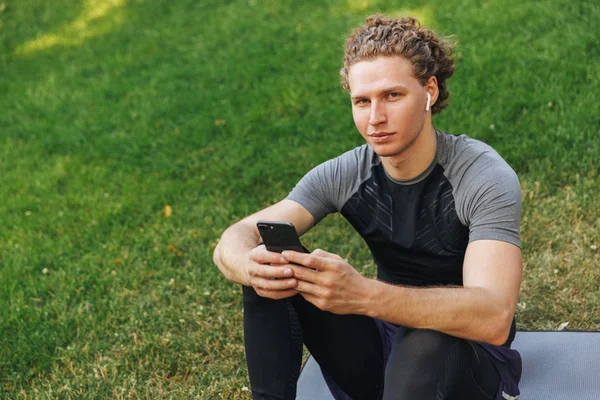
column 113, row 109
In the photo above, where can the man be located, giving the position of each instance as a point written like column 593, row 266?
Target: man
column 440, row 214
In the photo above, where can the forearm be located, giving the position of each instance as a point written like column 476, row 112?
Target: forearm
column 472, row 312
column 231, row 253
column 238, row 255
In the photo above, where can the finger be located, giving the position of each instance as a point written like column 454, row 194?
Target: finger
column 309, row 288
column 308, row 260
column 260, row 283
column 269, row 271
column 305, row 274
column 326, row 254
column 277, row 294
column 261, row 255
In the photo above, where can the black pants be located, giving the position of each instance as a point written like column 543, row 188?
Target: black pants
column 356, row 356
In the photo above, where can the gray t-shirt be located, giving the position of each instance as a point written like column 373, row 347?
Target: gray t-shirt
column 418, row 230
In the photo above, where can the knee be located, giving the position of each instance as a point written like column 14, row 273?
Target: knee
column 413, row 366
column 249, row 294
column 422, row 345
column 416, row 356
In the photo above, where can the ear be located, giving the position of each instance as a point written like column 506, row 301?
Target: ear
column 431, row 86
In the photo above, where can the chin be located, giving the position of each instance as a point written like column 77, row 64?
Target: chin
column 386, row 151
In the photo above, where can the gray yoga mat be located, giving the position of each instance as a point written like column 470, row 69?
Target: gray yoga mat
column 556, row 366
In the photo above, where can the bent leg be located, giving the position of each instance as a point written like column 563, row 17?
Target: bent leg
column 348, row 348
column 273, row 345
column 426, row 364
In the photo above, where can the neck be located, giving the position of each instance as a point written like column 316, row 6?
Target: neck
column 416, row 158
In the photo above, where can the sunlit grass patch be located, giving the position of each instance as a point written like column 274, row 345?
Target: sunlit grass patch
column 98, row 17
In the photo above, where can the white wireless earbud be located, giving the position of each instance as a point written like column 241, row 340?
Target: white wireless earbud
column 428, row 101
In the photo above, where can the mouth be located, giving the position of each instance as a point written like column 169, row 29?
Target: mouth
column 379, row 137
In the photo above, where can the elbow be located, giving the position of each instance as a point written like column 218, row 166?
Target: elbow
column 499, row 338
column 501, row 326
column 220, row 260
column 217, row 259
column 217, row 256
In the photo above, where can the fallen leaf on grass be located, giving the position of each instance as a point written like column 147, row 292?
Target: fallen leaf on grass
column 174, row 250
column 168, row 211
column 220, row 122
column 563, row 326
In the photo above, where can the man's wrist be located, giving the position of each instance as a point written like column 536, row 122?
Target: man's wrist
column 371, row 298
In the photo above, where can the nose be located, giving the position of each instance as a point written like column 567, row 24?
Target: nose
column 377, row 115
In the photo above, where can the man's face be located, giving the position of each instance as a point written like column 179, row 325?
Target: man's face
column 388, row 103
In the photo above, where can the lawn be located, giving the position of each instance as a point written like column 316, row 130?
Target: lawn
column 133, row 132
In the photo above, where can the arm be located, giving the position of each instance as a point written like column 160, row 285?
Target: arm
column 482, row 310
column 239, row 259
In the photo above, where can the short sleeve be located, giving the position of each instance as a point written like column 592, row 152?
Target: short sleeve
column 494, row 209
column 326, row 188
column 314, row 191
column 486, row 190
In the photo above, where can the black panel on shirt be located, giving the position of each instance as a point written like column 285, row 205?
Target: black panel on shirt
column 413, row 230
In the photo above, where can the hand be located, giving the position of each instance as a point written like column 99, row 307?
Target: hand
column 329, row 282
column 269, row 274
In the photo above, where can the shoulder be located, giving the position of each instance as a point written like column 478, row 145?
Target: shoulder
column 486, row 189
column 349, row 166
column 362, row 156
column 464, row 157
column 328, row 186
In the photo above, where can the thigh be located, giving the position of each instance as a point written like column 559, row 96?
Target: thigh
column 426, row 364
column 348, row 348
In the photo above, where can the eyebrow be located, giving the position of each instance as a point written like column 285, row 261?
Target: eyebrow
column 384, row 91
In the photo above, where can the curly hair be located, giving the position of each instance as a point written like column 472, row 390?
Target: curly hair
column 429, row 54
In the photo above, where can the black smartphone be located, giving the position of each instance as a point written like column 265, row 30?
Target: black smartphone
column 279, row 236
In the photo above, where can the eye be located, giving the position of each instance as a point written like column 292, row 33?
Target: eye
column 394, row 95
column 360, row 102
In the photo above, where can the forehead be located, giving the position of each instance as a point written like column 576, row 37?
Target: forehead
column 379, row 74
